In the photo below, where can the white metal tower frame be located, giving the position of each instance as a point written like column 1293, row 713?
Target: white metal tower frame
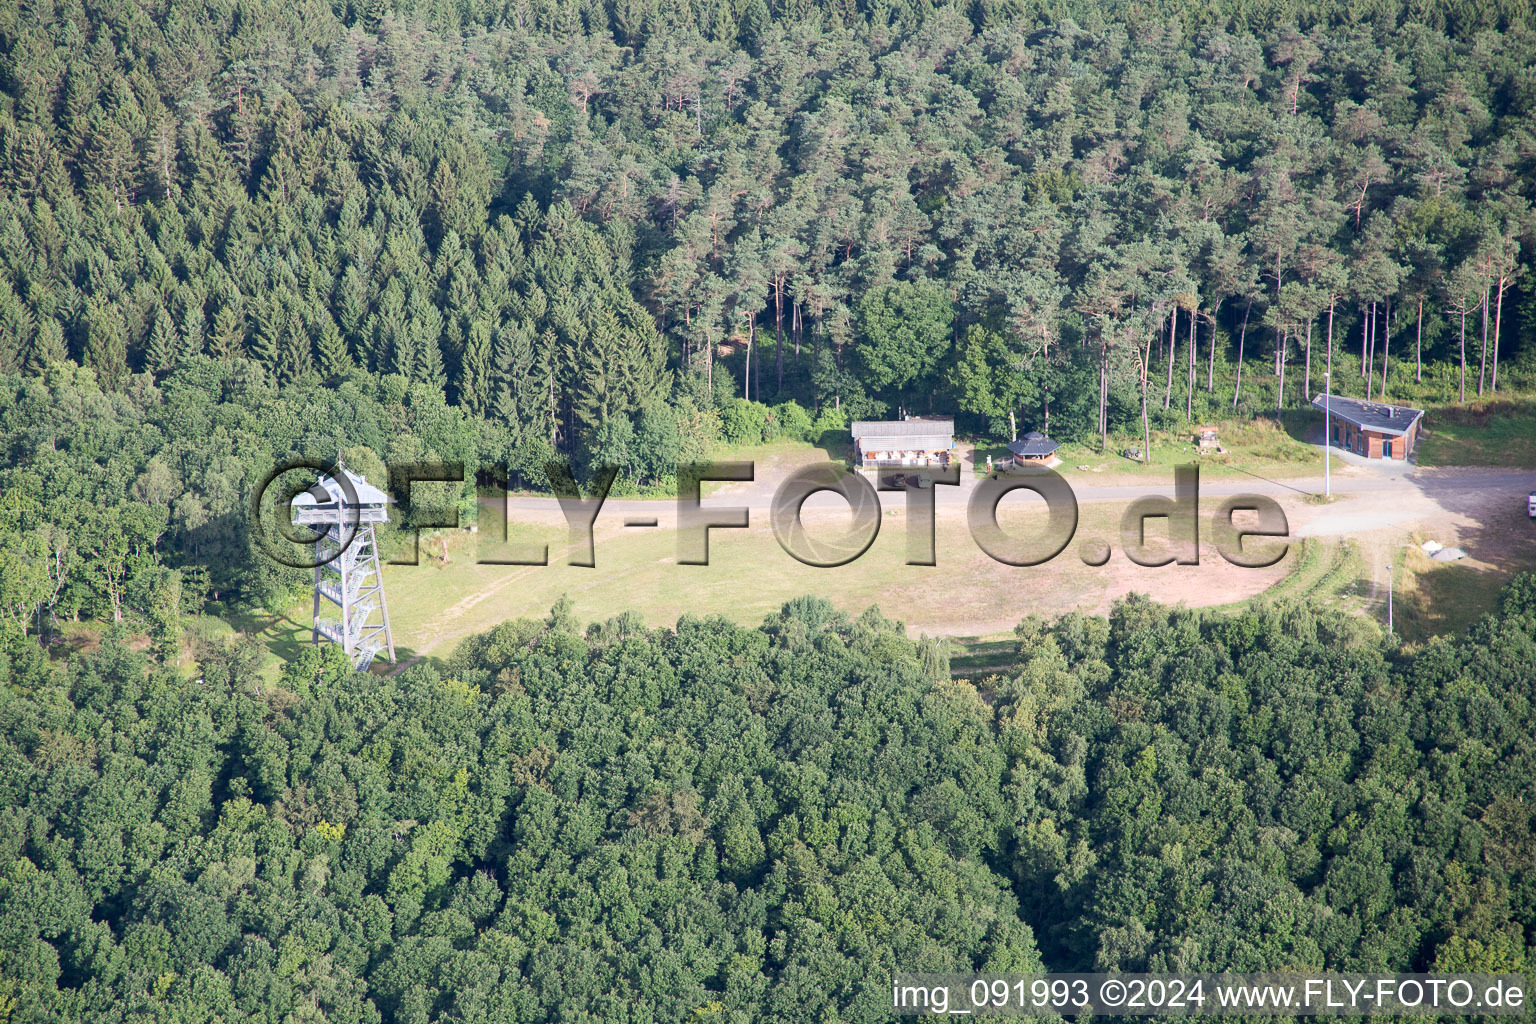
column 351, row 576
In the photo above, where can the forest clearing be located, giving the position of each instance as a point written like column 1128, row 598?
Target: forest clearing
column 1373, row 520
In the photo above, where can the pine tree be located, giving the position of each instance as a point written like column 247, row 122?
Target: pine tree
column 108, row 159
column 618, row 365
column 374, row 13
column 31, row 158
column 190, row 338
column 443, row 209
column 528, row 219
column 430, row 363
column 16, row 329
column 271, row 321
column 393, row 349
column 532, row 381
column 351, row 303
column 295, row 359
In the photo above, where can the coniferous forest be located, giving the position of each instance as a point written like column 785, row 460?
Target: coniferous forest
column 589, row 225
column 623, row 233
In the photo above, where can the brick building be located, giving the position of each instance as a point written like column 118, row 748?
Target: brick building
column 1372, row 429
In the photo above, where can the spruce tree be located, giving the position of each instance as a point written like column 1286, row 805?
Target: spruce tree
column 332, row 358
column 295, row 354
column 271, row 321
column 474, row 379
column 228, row 338
column 190, row 338
column 48, row 348
column 106, row 346
column 163, row 349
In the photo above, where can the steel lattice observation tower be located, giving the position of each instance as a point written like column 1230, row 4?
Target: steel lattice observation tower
column 351, row 580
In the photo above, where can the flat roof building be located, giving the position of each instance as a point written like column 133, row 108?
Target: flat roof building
column 910, row 442
column 1373, row 429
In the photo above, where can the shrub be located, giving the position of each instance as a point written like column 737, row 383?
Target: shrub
column 745, row 422
column 794, row 422
column 828, row 421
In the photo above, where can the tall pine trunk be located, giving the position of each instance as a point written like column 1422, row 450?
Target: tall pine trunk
column 1173, row 345
column 1045, row 392
column 1364, row 338
column 1482, row 366
column 1331, row 300
column 1498, row 314
column 1280, row 394
column 1386, row 354
column 1242, row 336
column 1189, row 392
column 1210, row 370
column 1103, row 392
column 746, row 374
column 1386, row 342
column 1370, row 360
column 1146, row 430
column 1307, row 379
column 778, row 330
column 1418, row 347
column 1463, row 379
column 687, row 348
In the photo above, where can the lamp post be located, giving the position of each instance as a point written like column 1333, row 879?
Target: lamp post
column 1327, row 438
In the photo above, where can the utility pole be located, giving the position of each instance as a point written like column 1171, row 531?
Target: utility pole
column 1327, row 439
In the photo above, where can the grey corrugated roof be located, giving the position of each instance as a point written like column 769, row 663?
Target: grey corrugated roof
column 1033, row 443
column 903, row 428
column 915, row 443
column 1367, row 415
column 367, row 494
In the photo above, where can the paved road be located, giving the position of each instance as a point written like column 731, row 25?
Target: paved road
column 1434, row 484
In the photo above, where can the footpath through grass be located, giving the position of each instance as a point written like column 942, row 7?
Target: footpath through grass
column 1325, row 571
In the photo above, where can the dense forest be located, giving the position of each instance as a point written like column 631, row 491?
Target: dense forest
column 623, row 234
column 572, row 216
column 718, row 823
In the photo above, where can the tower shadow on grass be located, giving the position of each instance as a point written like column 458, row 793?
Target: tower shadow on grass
column 285, row 637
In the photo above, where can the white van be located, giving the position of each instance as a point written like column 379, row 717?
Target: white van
column 1530, row 505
